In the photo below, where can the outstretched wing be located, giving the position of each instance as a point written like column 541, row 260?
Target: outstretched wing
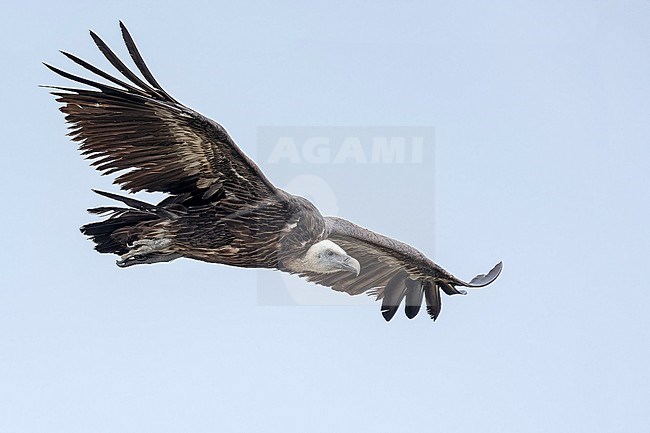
column 158, row 144
column 393, row 271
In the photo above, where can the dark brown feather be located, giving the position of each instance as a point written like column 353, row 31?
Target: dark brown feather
column 139, row 61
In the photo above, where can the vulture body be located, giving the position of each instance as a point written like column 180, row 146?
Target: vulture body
column 220, row 207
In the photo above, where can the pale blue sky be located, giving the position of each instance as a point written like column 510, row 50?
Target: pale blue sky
column 541, row 115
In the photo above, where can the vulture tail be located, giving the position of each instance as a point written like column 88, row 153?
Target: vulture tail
column 139, row 233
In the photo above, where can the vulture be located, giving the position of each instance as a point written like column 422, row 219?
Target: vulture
column 219, row 206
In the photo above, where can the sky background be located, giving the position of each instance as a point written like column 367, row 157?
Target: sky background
column 541, row 115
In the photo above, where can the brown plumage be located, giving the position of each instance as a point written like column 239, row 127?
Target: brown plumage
column 220, row 207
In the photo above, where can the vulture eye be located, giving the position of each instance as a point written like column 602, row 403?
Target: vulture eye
column 330, row 253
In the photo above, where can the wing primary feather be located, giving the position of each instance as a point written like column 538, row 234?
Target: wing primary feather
column 119, row 65
column 483, row 279
column 393, row 295
column 137, row 204
column 434, row 303
column 106, row 209
column 450, row 289
column 75, row 92
column 414, row 295
column 101, row 73
column 103, row 87
column 139, row 61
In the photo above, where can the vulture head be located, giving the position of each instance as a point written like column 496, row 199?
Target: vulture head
column 325, row 257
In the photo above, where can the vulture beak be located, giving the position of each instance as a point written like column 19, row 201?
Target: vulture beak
column 351, row 264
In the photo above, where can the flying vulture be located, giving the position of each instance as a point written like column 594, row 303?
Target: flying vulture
column 220, row 208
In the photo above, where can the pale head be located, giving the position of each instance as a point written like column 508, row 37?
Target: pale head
column 326, row 257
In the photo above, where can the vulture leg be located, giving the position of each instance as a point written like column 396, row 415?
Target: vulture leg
column 151, row 258
column 147, row 251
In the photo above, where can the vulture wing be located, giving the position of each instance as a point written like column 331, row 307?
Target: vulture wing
column 393, row 271
column 134, row 127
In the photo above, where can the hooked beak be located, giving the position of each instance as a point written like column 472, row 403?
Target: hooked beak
column 351, row 264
